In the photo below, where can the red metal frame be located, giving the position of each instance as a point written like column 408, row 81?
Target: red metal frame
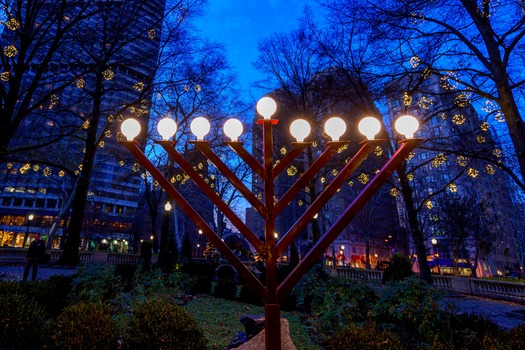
column 271, row 250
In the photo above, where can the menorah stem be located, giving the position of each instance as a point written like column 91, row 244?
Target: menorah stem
column 272, row 320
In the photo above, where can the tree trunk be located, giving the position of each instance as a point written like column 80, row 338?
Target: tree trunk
column 56, row 223
column 415, row 231
column 70, row 255
column 368, row 251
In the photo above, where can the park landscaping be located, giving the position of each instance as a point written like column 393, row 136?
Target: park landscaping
column 193, row 307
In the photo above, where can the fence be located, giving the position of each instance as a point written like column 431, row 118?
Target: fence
column 503, row 290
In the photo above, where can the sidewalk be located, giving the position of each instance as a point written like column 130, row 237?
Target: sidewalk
column 15, row 273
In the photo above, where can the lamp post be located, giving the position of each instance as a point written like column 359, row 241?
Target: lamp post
column 30, row 218
column 436, row 255
column 271, row 247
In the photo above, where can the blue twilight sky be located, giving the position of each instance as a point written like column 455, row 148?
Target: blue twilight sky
column 240, row 24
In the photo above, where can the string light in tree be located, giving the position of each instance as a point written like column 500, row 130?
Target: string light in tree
column 438, row 160
column 429, row 204
column 393, row 192
column 410, row 177
column 462, row 160
column 378, row 151
column 497, row 153
column 36, row 167
column 10, row 51
column 485, row 126
column 415, row 61
column 139, row 86
column 12, row 24
column 417, row 18
column 481, row 139
column 81, row 83
column 407, row 99
column 47, row 171
column 61, row 173
column 291, row 171
column 458, row 119
column 363, row 178
column 152, row 34
column 473, row 173
column 449, row 81
column 489, row 168
column 108, row 74
column 425, row 102
column 462, row 100
column 4, row 76
column 452, row 187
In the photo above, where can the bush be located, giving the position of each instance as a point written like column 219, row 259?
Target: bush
column 200, row 284
column 226, row 289
column 157, row 324
column 366, row 337
column 21, row 320
column 95, row 282
column 85, row 325
column 470, row 331
column 411, row 307
column 400, row 268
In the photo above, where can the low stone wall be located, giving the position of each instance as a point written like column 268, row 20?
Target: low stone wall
column 474, row 286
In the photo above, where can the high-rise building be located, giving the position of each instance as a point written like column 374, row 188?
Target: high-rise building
column 452, row 163
column 121, row 41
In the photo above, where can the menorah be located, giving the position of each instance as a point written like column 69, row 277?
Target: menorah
column 272, row 293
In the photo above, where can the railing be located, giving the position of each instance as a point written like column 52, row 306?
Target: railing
column 511, row 291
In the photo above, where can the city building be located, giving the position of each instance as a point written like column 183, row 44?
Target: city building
column 458, row 162
column 33, row 192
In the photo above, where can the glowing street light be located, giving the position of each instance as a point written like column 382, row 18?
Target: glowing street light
column 335, row 127
column 407, row 125
column 370, row 127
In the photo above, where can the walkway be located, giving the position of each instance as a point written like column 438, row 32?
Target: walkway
column 506, row 314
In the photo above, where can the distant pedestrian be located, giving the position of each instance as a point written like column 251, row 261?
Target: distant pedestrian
column 34, row 256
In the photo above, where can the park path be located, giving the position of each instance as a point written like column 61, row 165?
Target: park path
column 506, row 314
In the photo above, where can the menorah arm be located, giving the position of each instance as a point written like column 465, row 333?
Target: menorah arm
column 298, row 147
column 327, row 194
column 204, row 147
column 247, row 157
column 132, row 146
column 351, row 211
column 307, row 175
column 199, row 181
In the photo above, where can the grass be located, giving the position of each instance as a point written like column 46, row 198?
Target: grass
column 219, row 319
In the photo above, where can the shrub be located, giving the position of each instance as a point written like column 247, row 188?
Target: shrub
column 411, row 307
column 95, row 282
column 157, row 324
column 126, row 273
column 21, row 321
column 400, row 268
column 225, row 288
column 470, row 331
column 200, row 284
column 85, row 325
column 311, row 290
column 366, row 337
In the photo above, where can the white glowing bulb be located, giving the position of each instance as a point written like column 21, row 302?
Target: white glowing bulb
column 167, row 128
column 300, row 129
column 167, row 206
column 335, row 127
column 370, row 127
column 233, row 129
column 266, row 107
column 407, row 125
column 130, row 128
column 200, row 127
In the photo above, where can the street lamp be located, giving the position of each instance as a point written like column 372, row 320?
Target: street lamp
column 30, row 218
column 271, row 248
column 436, row 255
